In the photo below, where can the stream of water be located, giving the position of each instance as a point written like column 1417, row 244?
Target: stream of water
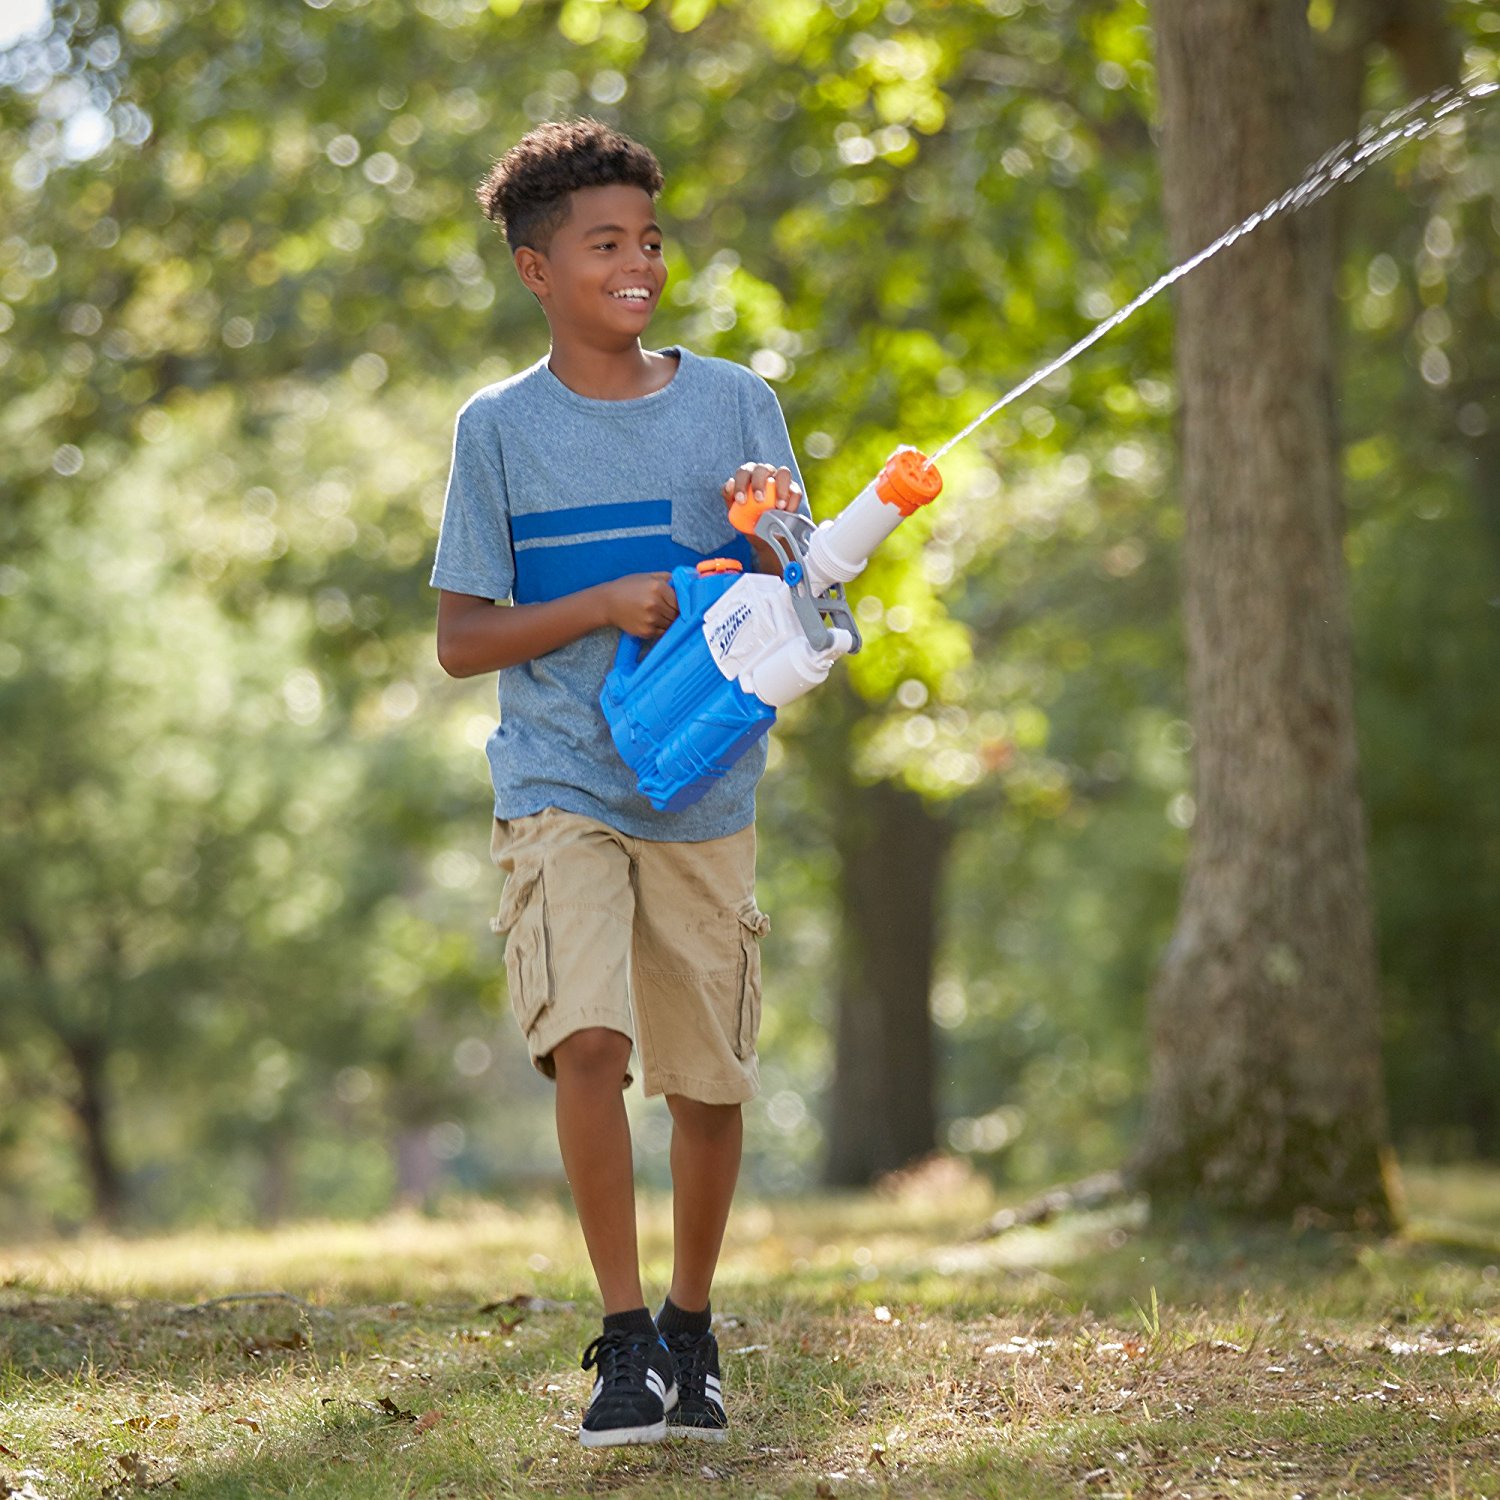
column 1343, row 163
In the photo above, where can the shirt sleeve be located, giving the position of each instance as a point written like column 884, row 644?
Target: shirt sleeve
column 474, row 554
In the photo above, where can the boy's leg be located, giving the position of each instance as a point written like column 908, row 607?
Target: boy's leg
column 634, row 1385
column 705, row 1166
column 568, row 910
column 696, row 976
column 594, row 1136
column 706, row 1143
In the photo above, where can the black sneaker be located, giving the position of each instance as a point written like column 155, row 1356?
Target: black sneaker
column 700, row 1395
column 633, row 1391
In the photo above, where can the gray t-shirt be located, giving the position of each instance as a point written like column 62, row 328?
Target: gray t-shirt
column 552, row 492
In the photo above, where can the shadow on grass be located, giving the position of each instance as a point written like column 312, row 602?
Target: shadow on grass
column 1373, row 1452
column 873, row 1347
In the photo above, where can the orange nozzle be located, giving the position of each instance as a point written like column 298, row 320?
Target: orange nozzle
column 711, row 565
column 909, row 481
column 743, row 514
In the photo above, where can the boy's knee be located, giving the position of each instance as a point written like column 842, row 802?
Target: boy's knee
column 595, row 1053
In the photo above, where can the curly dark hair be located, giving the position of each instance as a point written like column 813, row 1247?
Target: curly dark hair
column 526, row 191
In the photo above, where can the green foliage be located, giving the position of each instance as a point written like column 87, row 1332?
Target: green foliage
column 1423, row 482
column 243, row 288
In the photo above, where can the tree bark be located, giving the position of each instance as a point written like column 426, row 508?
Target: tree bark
column 88, row 1099
column 1266, row 1096
column 90, row 1104
column 275, row 1188
column 892, row 848
column 417, row 1168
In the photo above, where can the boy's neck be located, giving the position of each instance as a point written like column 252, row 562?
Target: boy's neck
column 611, row 375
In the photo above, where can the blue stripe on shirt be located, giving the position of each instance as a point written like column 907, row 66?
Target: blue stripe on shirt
column 544, row 573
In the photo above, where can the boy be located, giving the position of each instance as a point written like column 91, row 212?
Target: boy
column 576, row 485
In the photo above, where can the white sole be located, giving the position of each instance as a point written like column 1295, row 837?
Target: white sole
column 698, row 1434
column 623, row 1437
column 630, row 1437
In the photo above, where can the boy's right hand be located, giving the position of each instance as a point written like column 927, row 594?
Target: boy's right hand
column 640, row 604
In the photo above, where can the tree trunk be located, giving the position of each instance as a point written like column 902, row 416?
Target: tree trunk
column 892, row 849
column 417, row 1168
column 90, row 1104
column 274, row 1190
column 1266, row 1095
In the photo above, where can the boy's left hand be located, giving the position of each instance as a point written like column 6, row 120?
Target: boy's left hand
column 766, row 488
column 757, row 479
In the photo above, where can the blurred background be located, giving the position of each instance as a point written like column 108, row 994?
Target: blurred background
column 246, row 969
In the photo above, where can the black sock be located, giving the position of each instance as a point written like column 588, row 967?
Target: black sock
column 672, row 1319
column 637, row 1320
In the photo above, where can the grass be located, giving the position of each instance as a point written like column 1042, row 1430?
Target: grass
column 870, row 1348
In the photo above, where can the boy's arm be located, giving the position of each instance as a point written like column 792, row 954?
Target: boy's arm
column 474, row 635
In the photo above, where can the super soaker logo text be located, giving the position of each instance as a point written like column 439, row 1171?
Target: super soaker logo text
column 722, row 632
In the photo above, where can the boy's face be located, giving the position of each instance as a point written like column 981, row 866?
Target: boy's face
column 602, row 276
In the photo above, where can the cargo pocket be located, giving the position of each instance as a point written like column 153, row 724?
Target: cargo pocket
column 522, row 918
column 700, row 519
column 754, row 925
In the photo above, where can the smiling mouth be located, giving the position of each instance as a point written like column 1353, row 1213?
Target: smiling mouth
column 632, row 294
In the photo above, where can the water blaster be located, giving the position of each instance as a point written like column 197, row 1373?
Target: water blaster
column 745, row 644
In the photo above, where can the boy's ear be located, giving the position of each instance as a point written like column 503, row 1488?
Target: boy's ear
column 531, row 266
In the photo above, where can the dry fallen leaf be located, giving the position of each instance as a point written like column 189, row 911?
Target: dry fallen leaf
column 134, row 1467
column 145, row 1424
column 249, row 1422
column 394, row 1412
column 428, row 1420
column 256, row 1346
column 524, row 1302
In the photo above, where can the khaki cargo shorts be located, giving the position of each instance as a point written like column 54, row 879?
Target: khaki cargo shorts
column 660, row 941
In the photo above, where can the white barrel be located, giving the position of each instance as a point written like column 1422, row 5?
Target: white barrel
column 794, row 669
column 840, row 548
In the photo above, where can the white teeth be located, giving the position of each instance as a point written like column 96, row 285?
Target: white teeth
column 632, row 294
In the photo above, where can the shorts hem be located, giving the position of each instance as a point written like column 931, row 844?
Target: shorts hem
column 543, row 1040
column 703, row 1090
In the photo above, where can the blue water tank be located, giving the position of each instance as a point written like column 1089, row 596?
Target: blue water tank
column 676, row 720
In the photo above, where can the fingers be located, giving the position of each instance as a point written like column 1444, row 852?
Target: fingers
column 641, row 604
column 748, row 479
column 659, row 606
column 757, row 480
